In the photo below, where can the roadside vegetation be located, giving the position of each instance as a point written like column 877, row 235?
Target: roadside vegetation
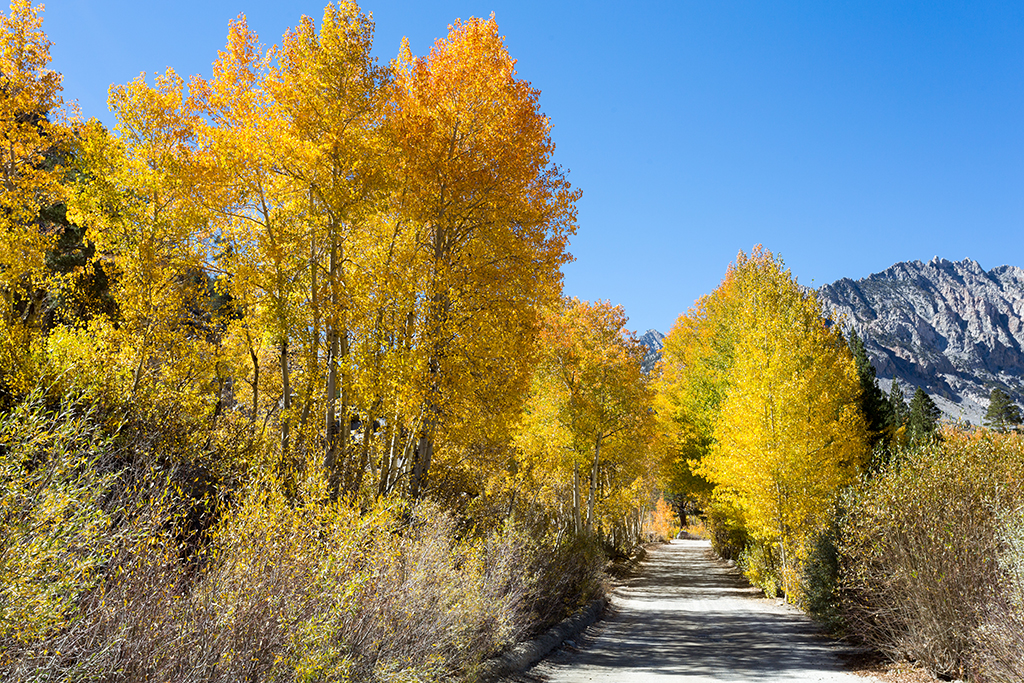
column 288, row 389
column 853, row 504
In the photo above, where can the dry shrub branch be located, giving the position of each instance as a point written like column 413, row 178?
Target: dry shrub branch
column 320, row 591
column 928, row 573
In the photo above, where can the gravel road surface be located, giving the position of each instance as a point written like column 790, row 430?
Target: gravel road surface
column 689, row 617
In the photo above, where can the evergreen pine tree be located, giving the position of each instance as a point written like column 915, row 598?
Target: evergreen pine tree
column 873, row 405
column 924, row 417
column 899, row 411
column 1002, row 414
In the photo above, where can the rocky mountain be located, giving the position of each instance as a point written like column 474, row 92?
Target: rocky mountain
column 652, row 340
column 951, row 328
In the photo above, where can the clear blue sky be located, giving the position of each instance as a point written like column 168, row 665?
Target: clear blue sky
column 844, row 135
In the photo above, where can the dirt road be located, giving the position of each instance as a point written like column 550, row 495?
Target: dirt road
column 689, row 617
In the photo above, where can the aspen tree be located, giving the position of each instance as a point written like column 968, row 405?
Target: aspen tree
column 691, row 383
column 791, row 433
column 31, row 174
column 258, row 211
column 135, row 196
column 492, row 213
column 593, row 403
column 331, row 94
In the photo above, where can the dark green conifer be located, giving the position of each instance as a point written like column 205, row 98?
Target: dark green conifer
column 899, row 411
column 924, row 417
column 1002, row 414
column 873, row 405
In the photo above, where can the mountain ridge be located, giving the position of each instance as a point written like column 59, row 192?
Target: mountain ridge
column 949, row 327
column 652, row 340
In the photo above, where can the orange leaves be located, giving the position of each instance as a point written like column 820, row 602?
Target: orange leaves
column 477, row 147
column 590, row 411
column 598, row 362
column 391, row 231
column 34, row 150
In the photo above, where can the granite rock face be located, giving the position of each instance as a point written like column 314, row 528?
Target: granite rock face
column 951, row 328
column 652, row 340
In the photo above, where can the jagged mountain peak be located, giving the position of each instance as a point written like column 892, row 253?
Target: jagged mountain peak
column 652, row 339
column 949, row 327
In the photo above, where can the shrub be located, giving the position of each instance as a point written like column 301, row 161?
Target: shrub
column 999, row 638
column 316, row 591
column 760, row 566
column 726, row 530
column 920, row 551
column 820, row 579
column 54, row 533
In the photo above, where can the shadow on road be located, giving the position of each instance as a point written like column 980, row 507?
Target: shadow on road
column 689, row 616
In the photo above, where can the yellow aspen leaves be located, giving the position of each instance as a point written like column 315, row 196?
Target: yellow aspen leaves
column 30, row 158
column 33, row 163
column 768, row 404
column 588, row 424
column 491, row 214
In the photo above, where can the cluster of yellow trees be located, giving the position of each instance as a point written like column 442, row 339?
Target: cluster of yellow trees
column 312, row 287
column 355, row 267
column 759, row 398
column 588, row 445
column 351, row 271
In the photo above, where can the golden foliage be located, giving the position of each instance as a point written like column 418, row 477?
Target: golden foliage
column 323, row 283
column 53, row 531
column 759, row 393
column 589, row 419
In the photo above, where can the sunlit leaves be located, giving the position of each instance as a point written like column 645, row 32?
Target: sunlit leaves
column 53, row 530
column 30, row 172
column 788, row 433
column 588, row 423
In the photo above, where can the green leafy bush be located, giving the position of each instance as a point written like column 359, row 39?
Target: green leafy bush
column 820, row 580
column 725, row 527
column 760, row 566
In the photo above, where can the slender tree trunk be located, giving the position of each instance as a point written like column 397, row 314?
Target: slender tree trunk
column 313, row 362
column 374, row 469
column 364, row 455
column 387, row 462
column 330, row 415
column 286, row 399
column 782, row 539
column 143, row 355
column 394, row 443
column 404, row 466
column 437, row 320
column 336, row 430
column 576, row 496
column 137, row 375
column 255, row 377
column 345, row 400
column 307, row 408
column 421, row 459
column 593, row 484
column 425, row 445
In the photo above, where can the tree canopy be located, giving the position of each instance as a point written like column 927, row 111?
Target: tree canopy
column 785, row 430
